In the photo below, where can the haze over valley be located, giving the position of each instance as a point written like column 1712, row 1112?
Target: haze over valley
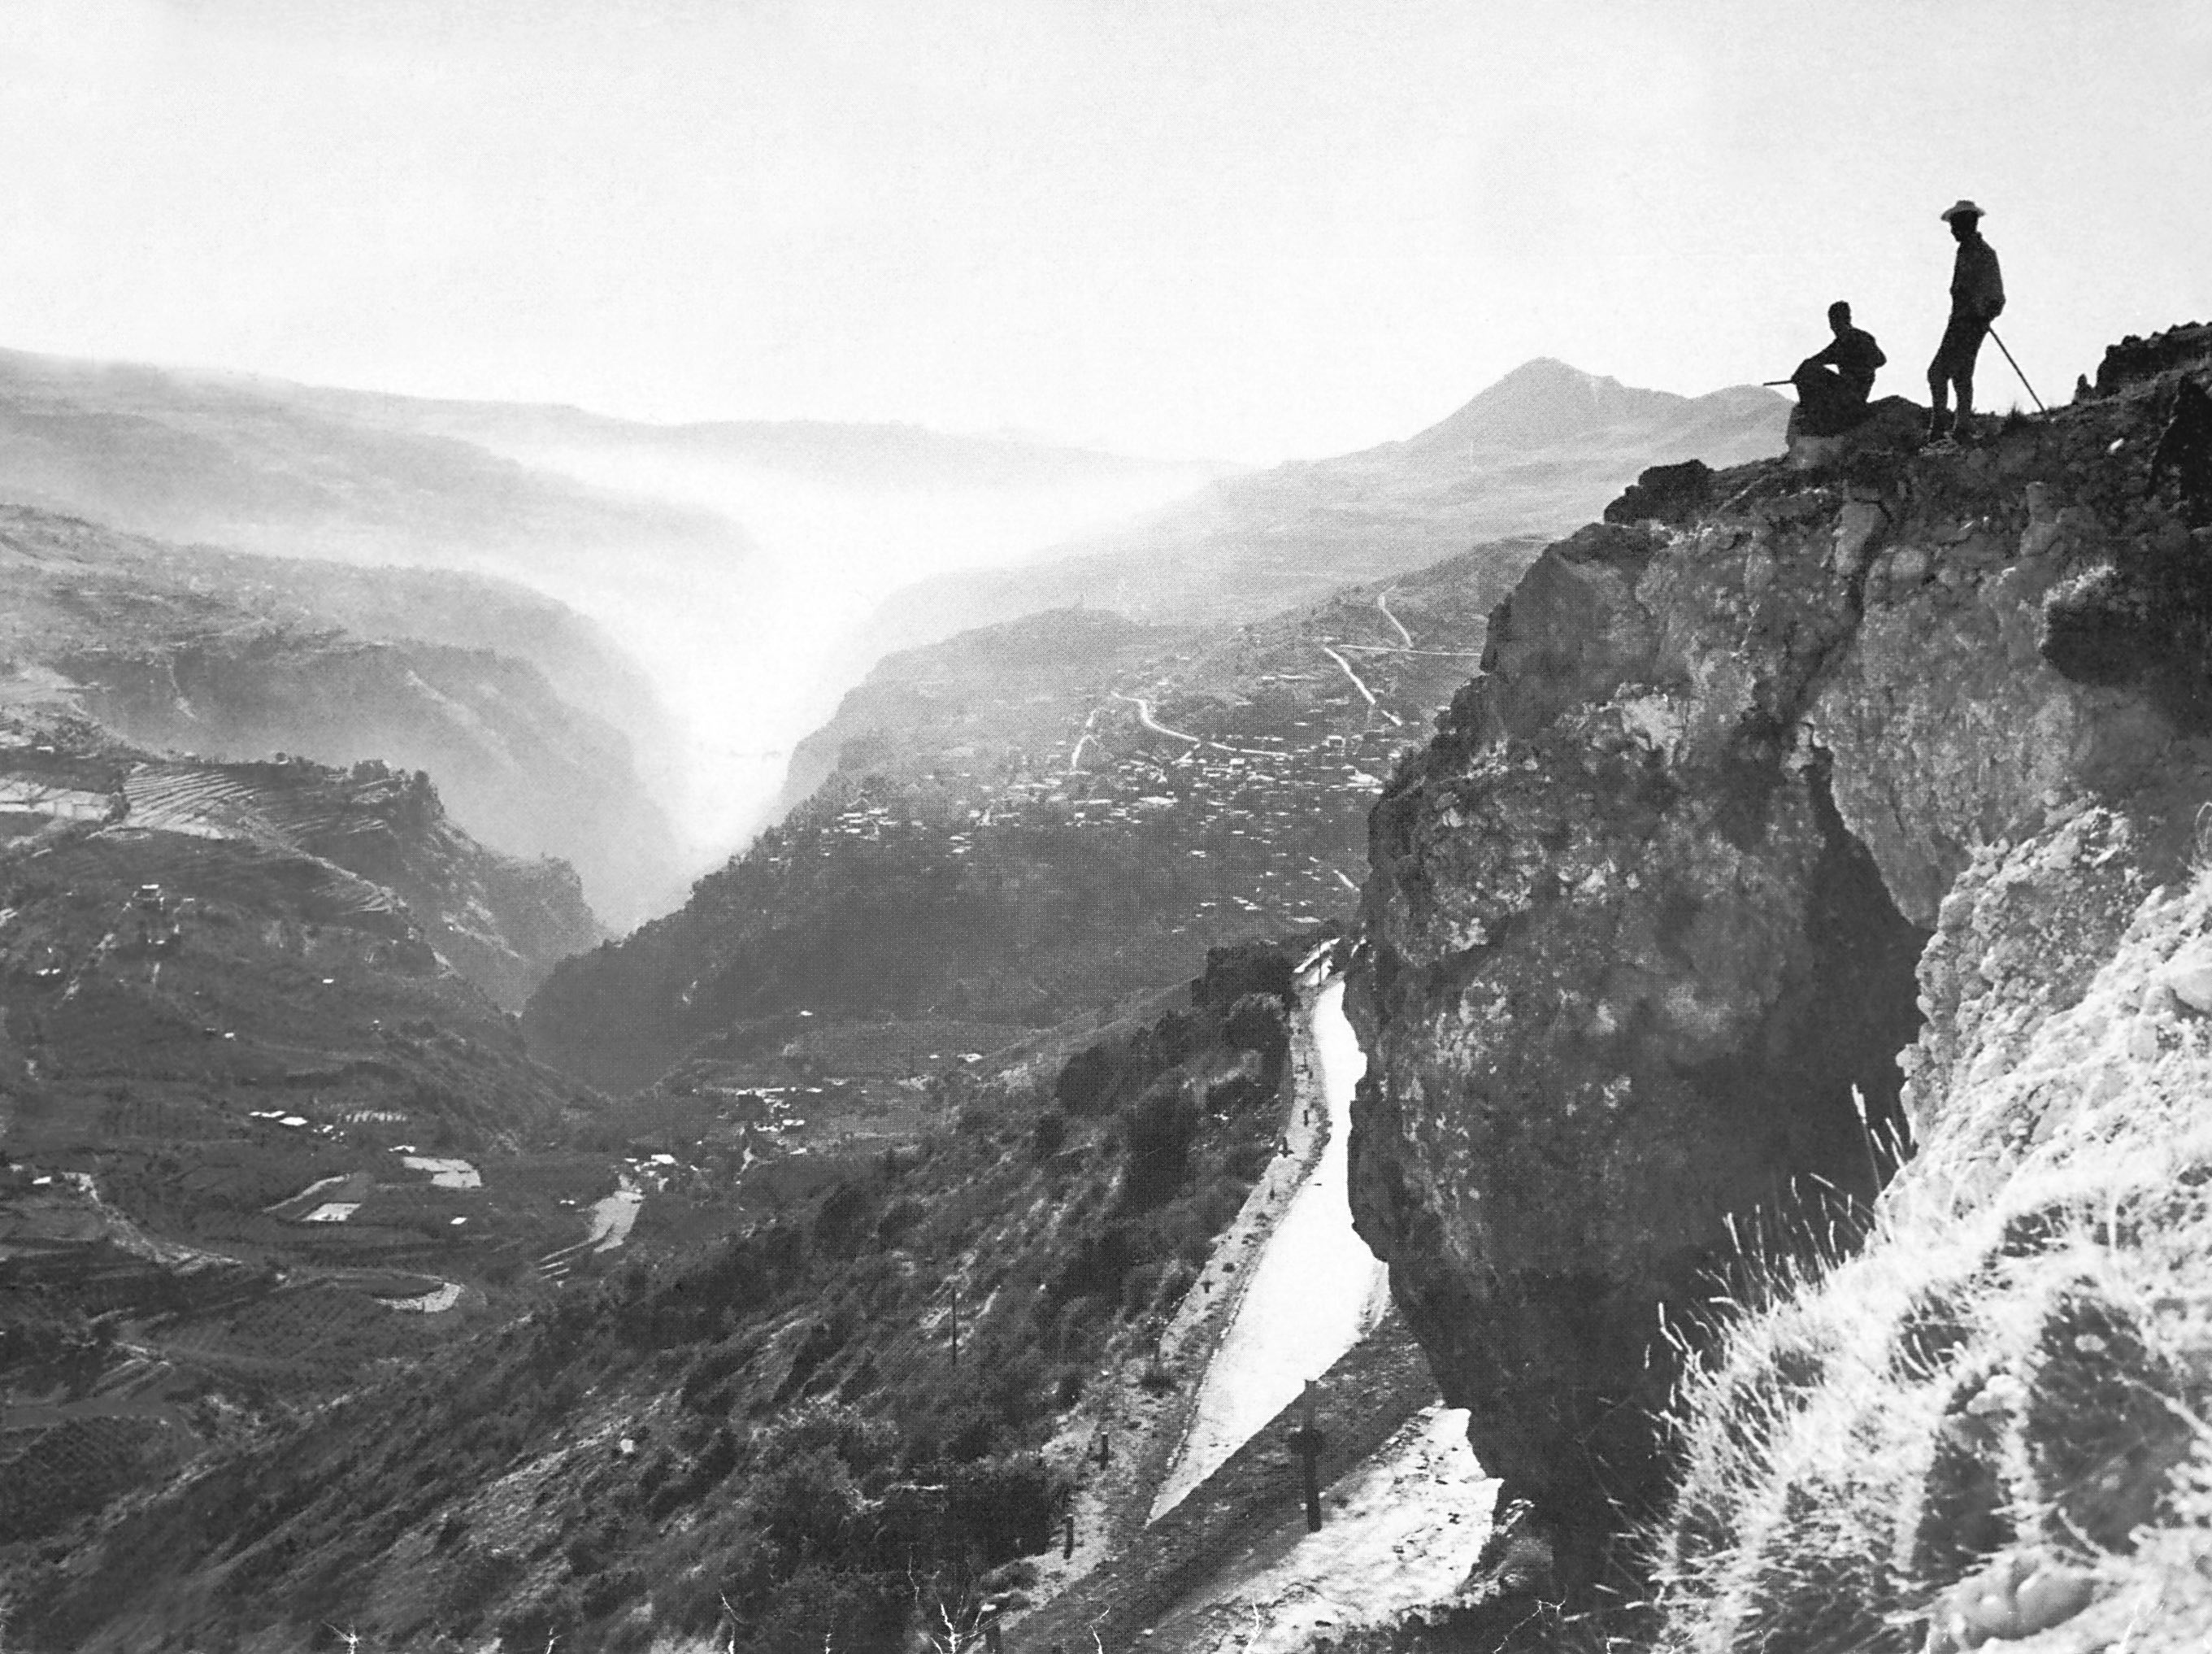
column 851, row 829
column 745, row 575
column 728, row 564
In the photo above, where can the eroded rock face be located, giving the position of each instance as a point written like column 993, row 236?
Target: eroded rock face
column 1650, row 906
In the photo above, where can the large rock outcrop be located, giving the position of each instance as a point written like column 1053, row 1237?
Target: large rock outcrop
column 1650, row 923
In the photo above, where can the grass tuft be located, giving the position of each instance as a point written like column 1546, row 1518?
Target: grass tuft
column 2027, row 1378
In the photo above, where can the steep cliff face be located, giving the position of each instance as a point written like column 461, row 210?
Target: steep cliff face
column 230, row 656
column 1883, row 757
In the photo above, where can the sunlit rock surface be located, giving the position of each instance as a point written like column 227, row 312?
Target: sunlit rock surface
column 1655, row 901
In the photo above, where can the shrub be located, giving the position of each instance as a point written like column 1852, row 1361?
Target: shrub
column 973, row 1430
column 540, row 1617
column 2100, row 1436
column 803, row 1503
column 817, row 1609
column 978, row 1119
column 480, row 1577
column 866, row 1445
column 1094, row 1267
column 1173, row 1039
column 1245, row 1161
column 1163, row 1121
column 610, row 1590
column 1255, row 1023
column 1244, row 968
column 841, row 1221
column 1237, row 1093
column 900, row 1217
column 1086, row 1081
column 1159, row 1127
column 1006, row 1507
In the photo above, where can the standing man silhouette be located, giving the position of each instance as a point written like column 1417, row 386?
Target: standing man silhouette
column 1977, row 299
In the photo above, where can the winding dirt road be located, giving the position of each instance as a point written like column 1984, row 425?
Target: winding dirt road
column 1144, row 717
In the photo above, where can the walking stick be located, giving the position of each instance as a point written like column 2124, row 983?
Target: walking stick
column 2031, row 396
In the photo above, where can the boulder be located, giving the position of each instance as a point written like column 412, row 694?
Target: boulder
column 2017, row 1595
column 1891, row 425
column 2135, row 360
column 1667, row 493
column 2189, row 978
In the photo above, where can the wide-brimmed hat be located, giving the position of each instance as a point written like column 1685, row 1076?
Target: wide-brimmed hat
column 1960, row 209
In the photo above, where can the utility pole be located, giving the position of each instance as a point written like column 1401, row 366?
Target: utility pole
column 1306, row 1443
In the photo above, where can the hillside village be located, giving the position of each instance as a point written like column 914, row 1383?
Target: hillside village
column 1249, row 754
column 1022, row 822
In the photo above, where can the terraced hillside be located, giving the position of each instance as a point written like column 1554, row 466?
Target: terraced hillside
column 224, row 655
column 1030, row 819
column 234, row 999
column 860, row 1413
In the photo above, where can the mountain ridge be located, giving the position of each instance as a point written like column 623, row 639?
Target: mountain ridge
column 894, row 450
column 1546, row 399
column 1536, row 453
column 675, row 539
column 237, row 655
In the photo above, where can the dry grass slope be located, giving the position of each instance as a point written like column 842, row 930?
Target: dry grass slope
column 1992, row 1422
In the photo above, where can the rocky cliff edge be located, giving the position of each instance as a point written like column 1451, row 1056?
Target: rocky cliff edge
column 1833, row 826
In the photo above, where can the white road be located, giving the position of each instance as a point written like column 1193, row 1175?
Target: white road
column 1358, row 681
column 1382, row 602
column 1144, row 717
column 1315, row 1292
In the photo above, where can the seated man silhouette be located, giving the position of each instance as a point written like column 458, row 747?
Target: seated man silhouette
column 1832, row 387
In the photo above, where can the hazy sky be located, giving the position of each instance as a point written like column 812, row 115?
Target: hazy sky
column 1250, row 230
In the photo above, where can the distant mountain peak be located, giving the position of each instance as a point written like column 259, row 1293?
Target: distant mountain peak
column 1545, row 401
column 1544, row 372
